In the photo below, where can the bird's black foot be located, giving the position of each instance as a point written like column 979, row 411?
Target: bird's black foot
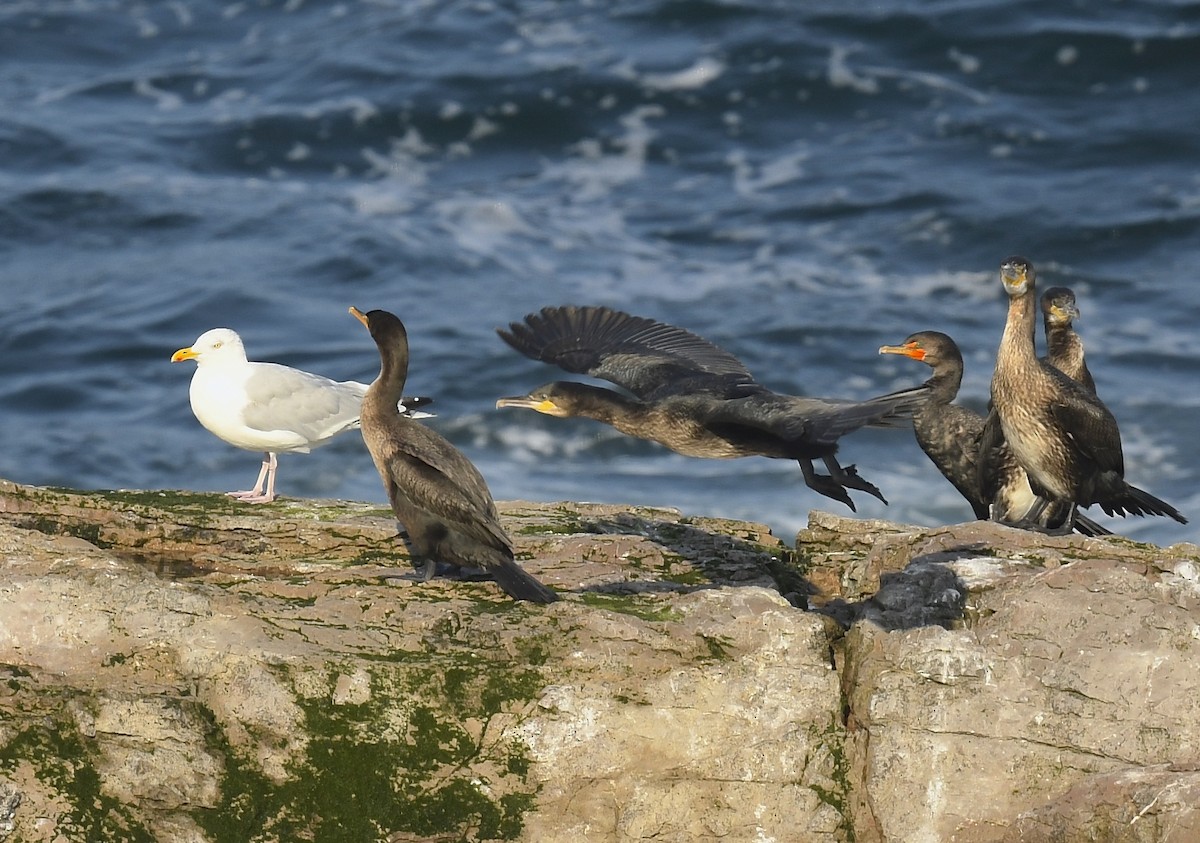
column 1049, row 518
column 1038, row 527
column 427, row 569
column 850, row 479
column 1045, row 518
column 469, row 574
column 825, row 485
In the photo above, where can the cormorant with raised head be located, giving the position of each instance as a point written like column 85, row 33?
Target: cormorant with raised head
column 950, row 435
column 691, row 396
column 1064, row 348
column 1062, row 435
column 436, row 493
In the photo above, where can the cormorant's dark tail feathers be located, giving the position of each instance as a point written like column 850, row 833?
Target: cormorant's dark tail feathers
column 520, row 584
column 411, row 402
column 896, row 408
column 1140, row 502
column 1087, row 527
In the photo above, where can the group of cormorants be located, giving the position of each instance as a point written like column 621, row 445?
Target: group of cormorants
column 1047, row 446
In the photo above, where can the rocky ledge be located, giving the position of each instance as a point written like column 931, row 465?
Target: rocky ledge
column 181, row 667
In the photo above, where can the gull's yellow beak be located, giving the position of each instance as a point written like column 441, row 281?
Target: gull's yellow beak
column 183, row 354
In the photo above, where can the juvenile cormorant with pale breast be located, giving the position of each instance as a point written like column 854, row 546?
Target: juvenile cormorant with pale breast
column 1064, row 348
column 1062, row 435
column 436, row 493
column 691, row 396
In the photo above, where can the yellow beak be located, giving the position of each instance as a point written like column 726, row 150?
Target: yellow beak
column 544, row 406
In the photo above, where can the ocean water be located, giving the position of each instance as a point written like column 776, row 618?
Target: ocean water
column 798, row 182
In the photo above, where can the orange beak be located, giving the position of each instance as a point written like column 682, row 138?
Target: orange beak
column 909, row 349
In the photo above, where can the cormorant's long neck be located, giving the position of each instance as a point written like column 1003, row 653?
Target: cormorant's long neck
column 1058, row 340
column 1016, row 359
column 393, row 372
column 605, row 405
column 944, row 385
column 1017, row 343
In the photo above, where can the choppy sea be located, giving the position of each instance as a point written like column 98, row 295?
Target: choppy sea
column 798, row 182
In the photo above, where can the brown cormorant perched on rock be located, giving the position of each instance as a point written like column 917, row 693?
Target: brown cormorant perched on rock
column 436, row 493
column 950, row 435
column 1062, row 435
column 691, row 396
column 1064, row 348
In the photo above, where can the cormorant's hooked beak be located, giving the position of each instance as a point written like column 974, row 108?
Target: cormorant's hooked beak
column 1017, row 275
column 909, row 349
column 183, row 354
column 528, row 402
column 1063, row 314
column 360, row 316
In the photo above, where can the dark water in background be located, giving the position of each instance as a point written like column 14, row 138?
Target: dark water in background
column 799, row 182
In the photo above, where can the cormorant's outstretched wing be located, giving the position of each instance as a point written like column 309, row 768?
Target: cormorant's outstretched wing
column 651, row 359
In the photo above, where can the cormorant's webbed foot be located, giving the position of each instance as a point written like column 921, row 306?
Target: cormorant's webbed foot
column 1051, row 518
column 825, row 485
column 1038, row 527
column 848, row 477
column 427, row 571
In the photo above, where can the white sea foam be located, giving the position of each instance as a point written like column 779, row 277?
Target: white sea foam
column 749, row 179
column 701, row 73
column 865, row 79
column 165, row 100
column 593, row 171
column 841, row 76
column 966, row 62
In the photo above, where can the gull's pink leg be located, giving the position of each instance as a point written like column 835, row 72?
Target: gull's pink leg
column 267, row 473
column 269, row 495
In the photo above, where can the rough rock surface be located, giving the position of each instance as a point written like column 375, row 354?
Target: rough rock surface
column 181, row 667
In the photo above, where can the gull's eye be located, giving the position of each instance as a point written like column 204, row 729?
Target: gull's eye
column 218, row 344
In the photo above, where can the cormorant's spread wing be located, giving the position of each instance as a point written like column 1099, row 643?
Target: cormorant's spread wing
column 651, row 359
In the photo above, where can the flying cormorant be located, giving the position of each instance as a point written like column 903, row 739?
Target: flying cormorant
column 691, row 396
column 436, row 493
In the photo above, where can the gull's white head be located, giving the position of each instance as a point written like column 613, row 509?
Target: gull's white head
column 217, row 344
